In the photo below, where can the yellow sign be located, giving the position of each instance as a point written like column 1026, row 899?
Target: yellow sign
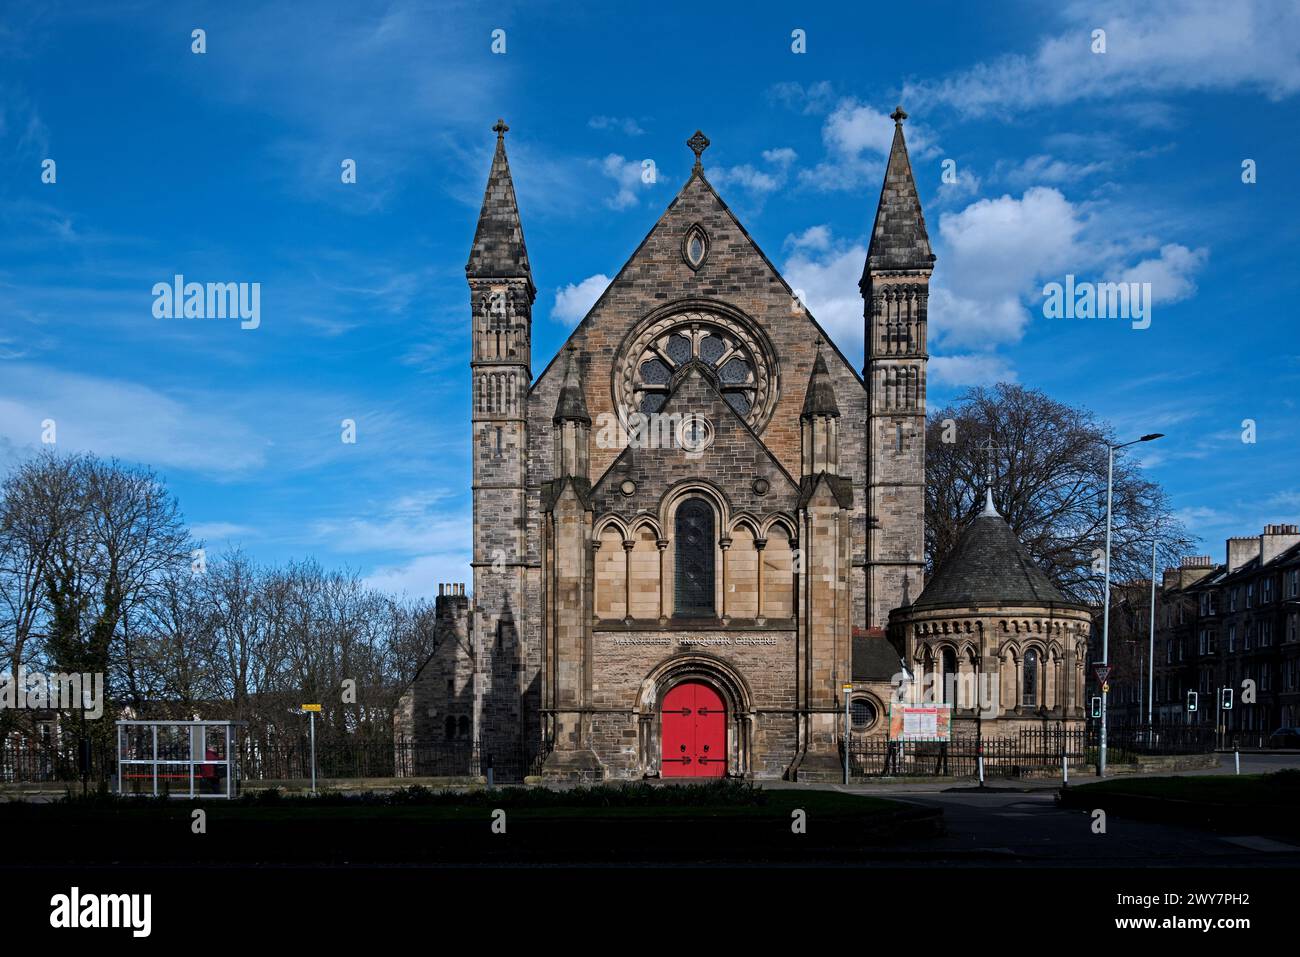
column 848, row 688
column 1105, row 689
column 310, row 707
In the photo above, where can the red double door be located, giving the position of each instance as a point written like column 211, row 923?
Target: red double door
column 695, row 732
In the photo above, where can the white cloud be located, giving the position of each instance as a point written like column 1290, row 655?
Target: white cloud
column 811, row 99
column 573, row 301
column 829, row 286
column 222, row 531
column 970, row 369
column 1170, row 274
column 628, row 175
column 134, row 422
column 857, row 139
column 1162, row 46
column 421, row 576
column 1043, row 168
column 781, row 156
column 814, row 237
column 624, row 124
column 994, row 251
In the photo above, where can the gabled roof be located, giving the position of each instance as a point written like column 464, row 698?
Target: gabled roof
column 898, row 238
column 733, row 444
column 989, row 566
column 499, row 250
column 697, row 181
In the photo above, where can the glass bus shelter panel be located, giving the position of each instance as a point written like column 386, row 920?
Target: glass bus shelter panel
column 137, row 743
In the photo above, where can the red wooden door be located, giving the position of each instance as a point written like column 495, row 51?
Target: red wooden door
column 694, row 732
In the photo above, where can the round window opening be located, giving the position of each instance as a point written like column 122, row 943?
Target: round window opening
column 862, row 713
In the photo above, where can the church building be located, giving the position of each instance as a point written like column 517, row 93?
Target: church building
column 692, row 526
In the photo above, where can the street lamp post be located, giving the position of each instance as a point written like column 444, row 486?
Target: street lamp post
column 1105, row 611
column 1151, row 639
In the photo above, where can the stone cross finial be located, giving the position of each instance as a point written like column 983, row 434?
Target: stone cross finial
column 500, row 128
column 698, row 144
column 898, row 115
column 988, row 445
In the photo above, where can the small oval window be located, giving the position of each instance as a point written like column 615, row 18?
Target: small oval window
column 697, row 247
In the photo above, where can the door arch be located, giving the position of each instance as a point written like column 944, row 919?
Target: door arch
column 694, row 732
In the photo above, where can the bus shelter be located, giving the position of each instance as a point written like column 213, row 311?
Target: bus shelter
column 185, row 759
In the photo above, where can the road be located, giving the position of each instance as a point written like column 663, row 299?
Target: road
column 1023, row 826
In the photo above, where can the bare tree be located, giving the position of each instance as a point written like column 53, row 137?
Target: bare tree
column 1048, row 462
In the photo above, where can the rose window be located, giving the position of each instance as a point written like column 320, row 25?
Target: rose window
column 733, row 357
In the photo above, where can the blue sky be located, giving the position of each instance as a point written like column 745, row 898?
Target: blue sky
column 225, row 166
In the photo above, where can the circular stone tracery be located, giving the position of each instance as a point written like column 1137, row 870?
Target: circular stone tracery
column 736, row 358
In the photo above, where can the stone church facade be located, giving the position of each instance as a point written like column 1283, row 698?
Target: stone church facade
column 692, row 526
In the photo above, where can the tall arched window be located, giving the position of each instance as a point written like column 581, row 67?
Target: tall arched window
column 694, row 559
column 1029, row 693
column 948, row 690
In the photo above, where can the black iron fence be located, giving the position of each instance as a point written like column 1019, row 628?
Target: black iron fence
column 1029, row 752
column 36, row 762
column 1038, row 751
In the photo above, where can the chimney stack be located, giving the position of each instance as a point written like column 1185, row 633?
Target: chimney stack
column 1277, row 539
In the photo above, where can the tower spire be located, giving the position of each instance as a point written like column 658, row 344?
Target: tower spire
column 898, row 237
column 499, row 251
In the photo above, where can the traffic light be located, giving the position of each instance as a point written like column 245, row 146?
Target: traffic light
column 1191, row 700
column 1227, row 699
column 1096, row 706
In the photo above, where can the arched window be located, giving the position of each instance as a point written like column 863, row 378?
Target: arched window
column 464, row 726
column 948, row 690
column 694, row 559
column 451, row 727
column 1029, row 692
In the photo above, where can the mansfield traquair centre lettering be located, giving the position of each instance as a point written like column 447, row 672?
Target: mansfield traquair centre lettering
column 712, row 641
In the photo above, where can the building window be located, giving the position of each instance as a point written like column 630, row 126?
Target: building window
column 1232, row 638
column 694, row 559
column 1029, row 692
column 451, row 727
column 1250, row 595
column 1266, row 591
column 948, row 660
column 462, row 727
column 862, row 713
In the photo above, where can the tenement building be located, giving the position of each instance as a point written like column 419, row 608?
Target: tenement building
column 692, row 526
column 1232, row 625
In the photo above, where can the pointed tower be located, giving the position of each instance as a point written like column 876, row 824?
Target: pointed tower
column 501, row 300
column 826, row 601
column 895, row 288
column 820, row 422
column 567, row 556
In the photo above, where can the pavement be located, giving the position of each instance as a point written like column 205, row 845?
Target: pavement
column 1017, row 823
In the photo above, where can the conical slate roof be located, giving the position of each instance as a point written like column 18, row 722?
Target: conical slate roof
column 989, row 566
column 572, row 404
column 498, row 250
column 820, row 398
column 898, row 238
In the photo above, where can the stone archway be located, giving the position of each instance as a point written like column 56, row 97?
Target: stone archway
column 718, row 681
